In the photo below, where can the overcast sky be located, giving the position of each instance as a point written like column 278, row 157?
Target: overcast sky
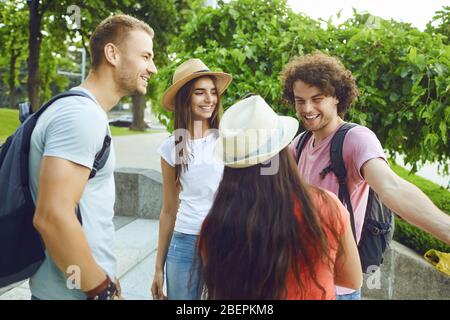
column 417, row 12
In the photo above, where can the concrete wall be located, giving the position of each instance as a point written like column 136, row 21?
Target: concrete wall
column 138, row 193
column 404, row 274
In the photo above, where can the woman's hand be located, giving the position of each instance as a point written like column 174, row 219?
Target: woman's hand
column 157, row 286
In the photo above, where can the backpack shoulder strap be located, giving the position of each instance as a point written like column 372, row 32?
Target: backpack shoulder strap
column 28, row 129
column 337, row 144
column 301, row 143
column 337, row 166
column 102, row 156
column 69, row 93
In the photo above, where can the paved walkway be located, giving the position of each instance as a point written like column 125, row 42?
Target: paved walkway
column 135, row 249
column 139, row 151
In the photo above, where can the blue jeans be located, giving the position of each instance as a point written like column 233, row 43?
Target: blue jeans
column 351, row 296
column 181, row 276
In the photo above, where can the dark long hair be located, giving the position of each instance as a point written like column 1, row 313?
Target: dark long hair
column 184, row 120
column 251, row 238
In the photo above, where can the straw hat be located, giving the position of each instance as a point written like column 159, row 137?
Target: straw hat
column 188, row 70
column 251, row 133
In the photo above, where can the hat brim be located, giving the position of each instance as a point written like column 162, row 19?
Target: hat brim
column 223, row 80
column 290, row 128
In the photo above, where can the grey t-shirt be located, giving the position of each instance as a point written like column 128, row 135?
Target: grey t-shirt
column 73, row 129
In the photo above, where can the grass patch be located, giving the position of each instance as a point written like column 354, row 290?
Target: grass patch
column 9, row 121
column 437, row 194
column 413, row 237
column 119, row 131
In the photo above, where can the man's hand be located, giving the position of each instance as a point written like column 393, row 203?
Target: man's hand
column 119, row 291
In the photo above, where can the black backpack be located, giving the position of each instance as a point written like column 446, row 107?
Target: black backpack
column 378, row 227
column 21, row 247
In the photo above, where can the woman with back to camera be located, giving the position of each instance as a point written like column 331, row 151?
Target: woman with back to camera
column 268, row 235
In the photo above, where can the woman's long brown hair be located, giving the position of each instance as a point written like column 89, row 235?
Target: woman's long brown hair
column 184, row 120
column 251, row 238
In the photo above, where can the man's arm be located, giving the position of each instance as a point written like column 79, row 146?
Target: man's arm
column 61, row 184
column 405, row 199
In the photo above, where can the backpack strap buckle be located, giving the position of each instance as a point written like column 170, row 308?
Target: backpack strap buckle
column 374, row 230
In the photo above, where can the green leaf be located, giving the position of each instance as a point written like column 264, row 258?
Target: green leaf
column 412, row 55
column 443, row 128
column 248, row 52
column 404, row 72
column 393, row 97
column 431, row 139
column 421, row 62
column 234, row 14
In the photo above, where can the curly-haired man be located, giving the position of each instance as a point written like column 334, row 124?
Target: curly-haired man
column 322, row 90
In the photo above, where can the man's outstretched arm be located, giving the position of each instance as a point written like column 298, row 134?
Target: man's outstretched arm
column 405, row 199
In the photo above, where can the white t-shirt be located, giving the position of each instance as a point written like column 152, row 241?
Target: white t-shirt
column 199, row 183
column 73, row 129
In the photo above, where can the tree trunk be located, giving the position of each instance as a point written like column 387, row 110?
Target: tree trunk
column 138, row 113
column 12, row 78
column 34, row 44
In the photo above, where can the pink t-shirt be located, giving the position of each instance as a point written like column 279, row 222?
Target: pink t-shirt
column 360, row 145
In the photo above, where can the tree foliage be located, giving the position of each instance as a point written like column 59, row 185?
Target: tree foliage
column 403, row 74
column 440, row 24
column 13, row 37
column 57, row 25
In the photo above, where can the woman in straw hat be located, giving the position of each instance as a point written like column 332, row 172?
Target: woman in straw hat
column 190, row 175
column 268, row 235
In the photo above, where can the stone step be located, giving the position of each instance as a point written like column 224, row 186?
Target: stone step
column 135, row 240
column 136, row 283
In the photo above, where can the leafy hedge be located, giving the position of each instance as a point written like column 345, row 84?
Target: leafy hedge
column 403, row 74
column 411, row 236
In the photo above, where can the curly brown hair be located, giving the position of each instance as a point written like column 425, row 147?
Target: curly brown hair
column 324, row 72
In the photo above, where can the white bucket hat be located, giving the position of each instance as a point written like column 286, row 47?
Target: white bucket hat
column 251, row 133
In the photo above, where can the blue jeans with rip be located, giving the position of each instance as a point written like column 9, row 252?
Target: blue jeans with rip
column 181, row 275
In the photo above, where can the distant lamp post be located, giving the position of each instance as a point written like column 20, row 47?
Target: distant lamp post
column 82, row 74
